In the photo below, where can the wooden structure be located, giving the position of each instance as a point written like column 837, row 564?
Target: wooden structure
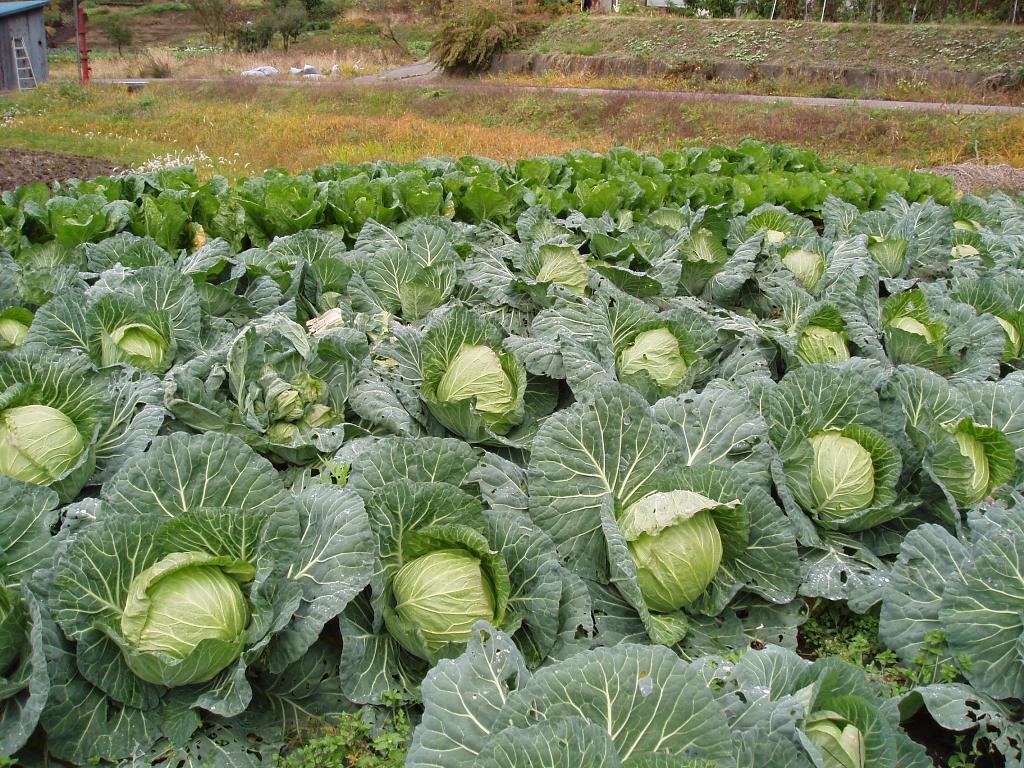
column 23, row 61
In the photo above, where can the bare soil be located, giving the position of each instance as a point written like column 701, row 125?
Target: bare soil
column 18, row 166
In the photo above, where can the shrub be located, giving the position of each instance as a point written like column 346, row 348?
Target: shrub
column 154, row 66
column 251, row 36
column 469, row 33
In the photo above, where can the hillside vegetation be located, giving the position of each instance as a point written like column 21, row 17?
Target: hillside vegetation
column 673, row 39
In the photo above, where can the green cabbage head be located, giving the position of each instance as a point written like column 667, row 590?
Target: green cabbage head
column 136, row 344
column 657, row 354
column 563, row 265
column 822, row 345
column 12, row 629
column 676, row 546
column 841, row 743
column 185, row 618
column 807, row 266
column 891, row 256
column 281, row 399
column 443, row 594
column 908, row 324
column 13, row 332
column 843, row 476
column 38, row 444
column 972, row 449
column 477, row 372
column 963, row 250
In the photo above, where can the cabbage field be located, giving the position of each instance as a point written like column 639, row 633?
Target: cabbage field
column 555, row 454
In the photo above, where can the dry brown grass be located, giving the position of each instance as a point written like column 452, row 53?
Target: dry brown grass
column 229, row 63
column 239, row 128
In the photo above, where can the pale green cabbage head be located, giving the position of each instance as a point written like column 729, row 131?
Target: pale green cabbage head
column 310, row 388
column 841, row 743
column 656, row 353
column 676, row 546
column 477, row 372
column 806, row 266
column 283, row 432
column 843, row 475
column 282, row 401
column 38, row 444
column 183, row 600
column 443, row 594
column 822, row 345
column 563, row 265
column 963, row 251
column 916, row 327
column 137, row 344
column 1013, row 339
column 891, row 256
column 13, row 332
column 972, row 449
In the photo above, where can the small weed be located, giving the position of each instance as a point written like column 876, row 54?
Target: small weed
column 370, row 738
column 832, row 629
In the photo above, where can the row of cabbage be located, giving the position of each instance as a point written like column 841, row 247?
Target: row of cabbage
column 174, row 207
column 547, row 474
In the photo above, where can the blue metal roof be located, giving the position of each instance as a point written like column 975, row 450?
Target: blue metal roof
column 12, row 9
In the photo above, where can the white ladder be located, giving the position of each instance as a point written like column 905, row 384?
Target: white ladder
column 23, row 65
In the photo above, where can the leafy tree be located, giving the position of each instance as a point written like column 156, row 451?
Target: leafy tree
column 118, row 32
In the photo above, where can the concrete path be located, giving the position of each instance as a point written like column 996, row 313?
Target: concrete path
column 421, row 71
column 425, row 72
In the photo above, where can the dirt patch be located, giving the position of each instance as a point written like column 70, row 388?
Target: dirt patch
column 975, row 177
column 18, row 166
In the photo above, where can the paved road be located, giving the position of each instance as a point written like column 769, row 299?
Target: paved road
column 423, row 73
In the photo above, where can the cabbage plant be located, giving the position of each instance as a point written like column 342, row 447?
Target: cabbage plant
column 773, row 224
column 197, row 578
column 912, row 334
column 279, row 387
column 145, row 318
column 951, row 600
column 965, row 437
column 612, row 488
column 840, row 458
column 614, row 337
column 407, row 276
column 826, row 713
column 445, row 562
column 52, row 410
column 486, row 710
column 26, row 514
column 470, row 385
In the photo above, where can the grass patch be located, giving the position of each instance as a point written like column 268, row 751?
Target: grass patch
column 245, row 128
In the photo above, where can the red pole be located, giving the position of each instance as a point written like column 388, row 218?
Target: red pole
column 83, row 49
